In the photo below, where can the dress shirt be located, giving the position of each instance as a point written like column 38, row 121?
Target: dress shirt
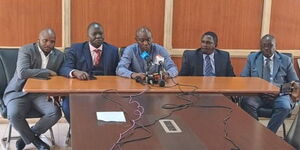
column 45, row 58
column 271, row 65
column 212, row 62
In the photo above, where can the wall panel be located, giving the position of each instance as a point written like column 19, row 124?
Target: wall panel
column 237, row 22
column 285, row 23
column 120, row 19
column 21, row 21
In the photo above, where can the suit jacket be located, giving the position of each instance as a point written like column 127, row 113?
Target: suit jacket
column 29, row 66
column 283, row 68
column 79, row 57
column 192, row 63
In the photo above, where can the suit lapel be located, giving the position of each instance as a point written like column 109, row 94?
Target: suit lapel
column 276, row 62
column 37, row 56
column 199, row 63
column 217, row 62
column 259, row 65
column 87, row 55
column 52, row 60
column 103, row 61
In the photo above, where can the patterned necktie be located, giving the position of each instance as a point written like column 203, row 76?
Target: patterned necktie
column 97, row 58
column 208, row 67
column 267, row 70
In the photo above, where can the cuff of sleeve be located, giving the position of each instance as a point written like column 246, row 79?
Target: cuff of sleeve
column 71, row 73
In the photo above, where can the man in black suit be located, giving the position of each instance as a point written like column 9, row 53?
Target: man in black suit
column 207, row 60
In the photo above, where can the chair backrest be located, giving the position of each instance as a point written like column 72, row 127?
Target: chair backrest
column 8, row 62
column 293, row 137
column 121, row 51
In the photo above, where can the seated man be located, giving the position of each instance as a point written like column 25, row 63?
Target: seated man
column 37, row 60
column 93, row 57
column 133, row 64
column 206, row 60
column 276, row 68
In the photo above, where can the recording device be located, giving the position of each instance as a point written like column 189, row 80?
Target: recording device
column 153, row 78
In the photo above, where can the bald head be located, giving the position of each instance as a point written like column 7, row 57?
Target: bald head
column 46, row 40
column 144, row 38
column 96, row 34
column 268, row 45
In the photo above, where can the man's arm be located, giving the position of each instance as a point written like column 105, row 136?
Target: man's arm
column 169, row 64
column 229, row 68
column 122, row 68
column 247, row 69
column 24, row 70
column 69, row 63
column 185, row 67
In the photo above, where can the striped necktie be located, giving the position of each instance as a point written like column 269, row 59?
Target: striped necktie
column 267, row 70
column 208, row 67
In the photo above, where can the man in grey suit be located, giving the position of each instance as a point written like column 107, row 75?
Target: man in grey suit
column 276, row 68
column 37, row 60
column 207, row 60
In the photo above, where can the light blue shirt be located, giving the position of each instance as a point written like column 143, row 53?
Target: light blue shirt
column 212, row 62
column 132, row 62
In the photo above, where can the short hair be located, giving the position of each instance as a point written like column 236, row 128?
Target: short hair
column 268, row 36
column 213, row 35
column 92, row 24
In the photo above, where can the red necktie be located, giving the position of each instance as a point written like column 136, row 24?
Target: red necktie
column 97, row 58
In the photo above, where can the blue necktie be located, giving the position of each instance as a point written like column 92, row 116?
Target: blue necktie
column 208, row 67
column 267, row 70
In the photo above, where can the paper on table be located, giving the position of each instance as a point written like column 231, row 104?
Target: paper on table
column 116, row 116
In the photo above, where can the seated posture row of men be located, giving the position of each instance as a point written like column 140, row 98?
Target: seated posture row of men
column 96, row 57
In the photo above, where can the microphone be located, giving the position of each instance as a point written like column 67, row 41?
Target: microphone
column 139, row 79
column 159, row 60
column 145, row 55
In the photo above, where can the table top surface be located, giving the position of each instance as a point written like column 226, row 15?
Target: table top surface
column 225, row 85
column 203, row 127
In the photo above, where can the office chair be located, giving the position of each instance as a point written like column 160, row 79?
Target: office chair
column 8, row 59
column 293, row 136
column 121, row 51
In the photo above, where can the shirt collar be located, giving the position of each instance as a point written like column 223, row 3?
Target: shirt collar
column 41, row 51
column 271, row 58
column 92, row 48
column 210, row 55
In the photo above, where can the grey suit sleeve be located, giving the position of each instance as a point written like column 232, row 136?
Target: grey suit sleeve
column 185, row 66
column 24, row 62
column 247, row 69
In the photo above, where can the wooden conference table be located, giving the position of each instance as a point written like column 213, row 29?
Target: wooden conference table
column 203, row 127
column 226, row 85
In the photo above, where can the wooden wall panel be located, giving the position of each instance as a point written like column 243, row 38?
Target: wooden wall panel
column 237, row 63
column 237, row 22
column 21, row 21
column 285, row 23
column 120, row 19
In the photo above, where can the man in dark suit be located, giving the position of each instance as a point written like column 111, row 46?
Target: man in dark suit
column 37, row 60
column 207, row 60
column 276, row 68
column 93, row 57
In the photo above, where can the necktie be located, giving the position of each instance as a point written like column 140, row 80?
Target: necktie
column 208, row 67
column 267, row 70
column 97, row 58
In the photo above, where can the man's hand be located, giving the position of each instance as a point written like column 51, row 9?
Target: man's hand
column 81, row 75
column 295, row 94
column 166, row 75
column 134, row 75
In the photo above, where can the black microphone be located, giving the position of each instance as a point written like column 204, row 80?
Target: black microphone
column 159, row 60
column 138, row 79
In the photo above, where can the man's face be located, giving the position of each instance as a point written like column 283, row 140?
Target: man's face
column 144, row 41
column 96, row 35
column 267, row 46
column 208, row 44
column 47, row 42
